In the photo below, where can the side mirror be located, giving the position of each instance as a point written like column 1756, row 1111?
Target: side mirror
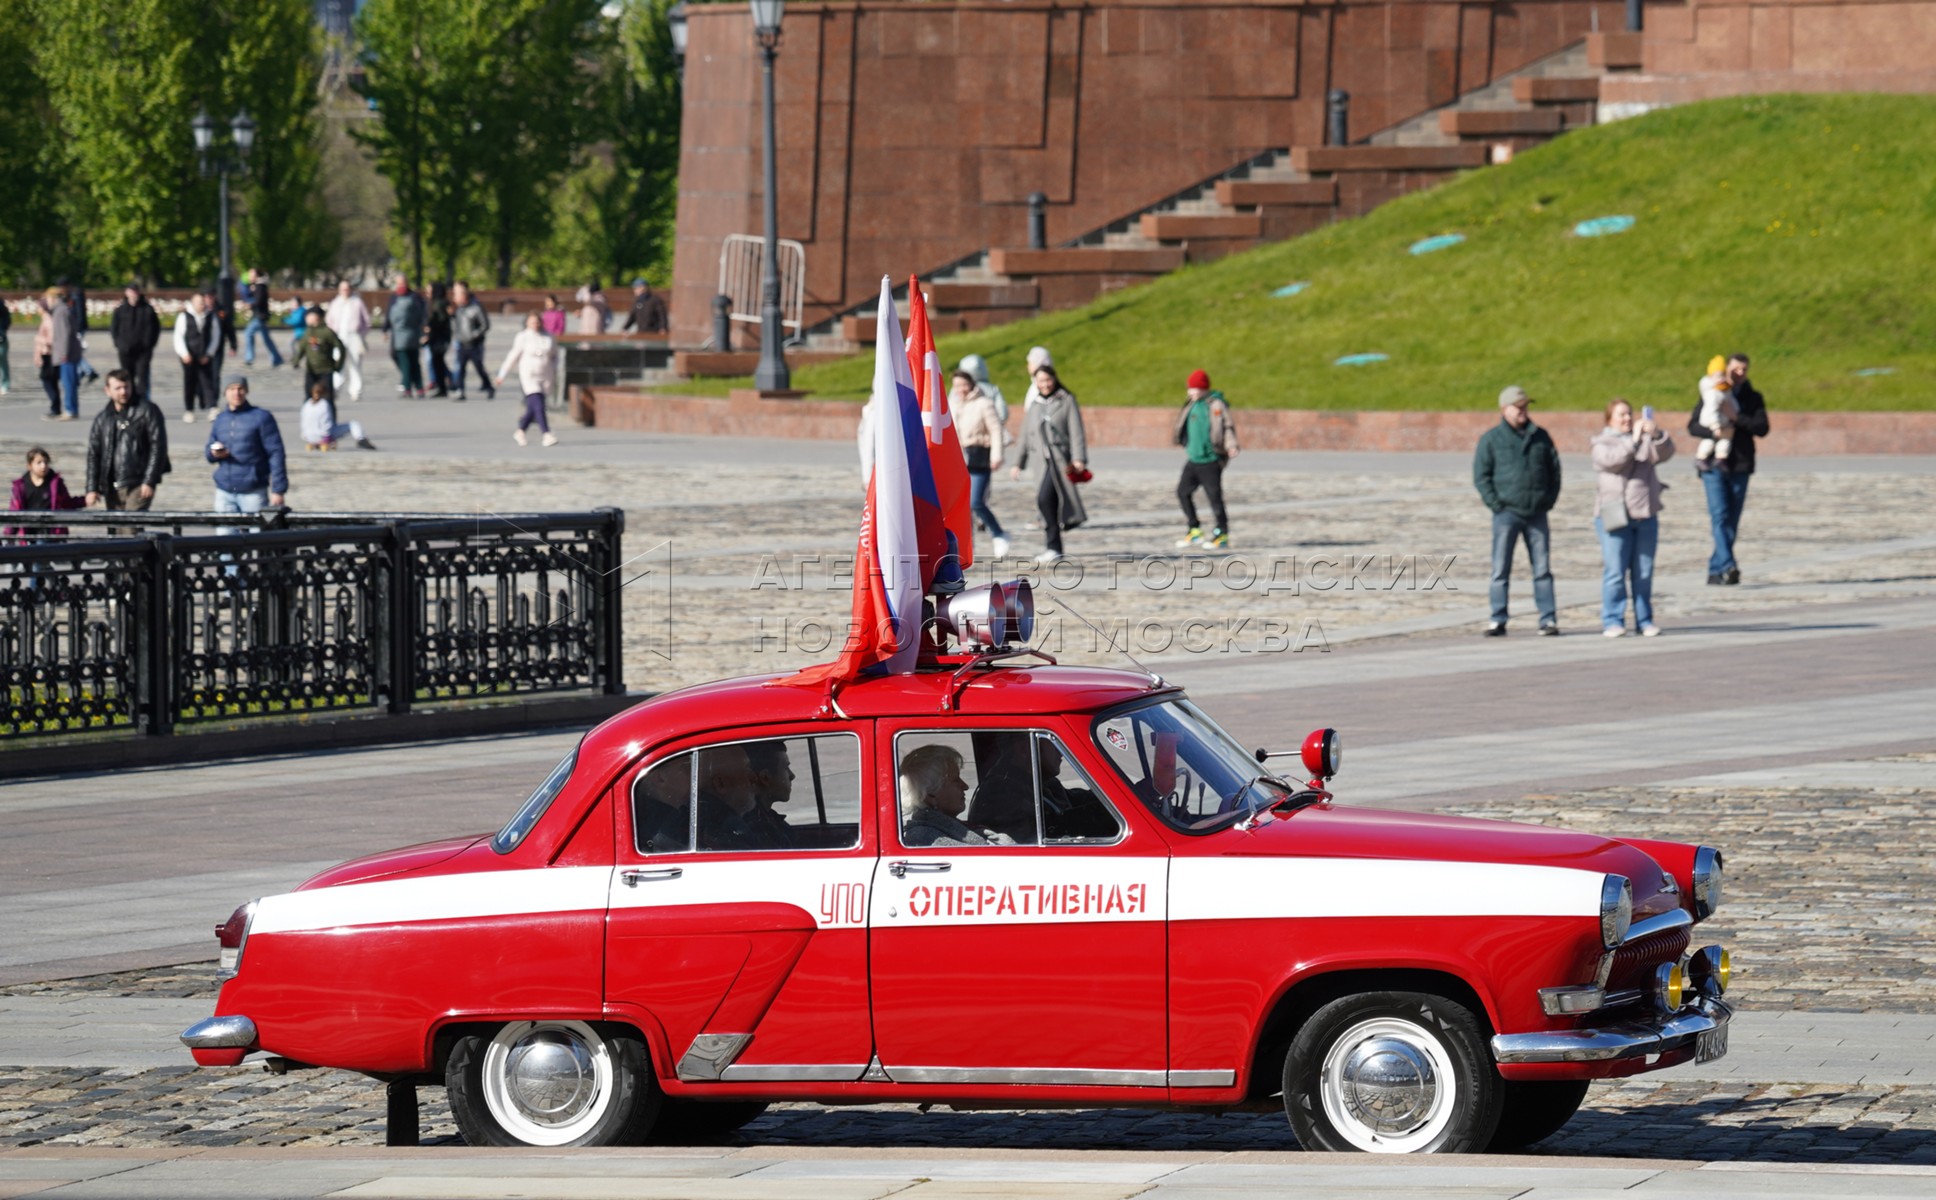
column 1323, row 753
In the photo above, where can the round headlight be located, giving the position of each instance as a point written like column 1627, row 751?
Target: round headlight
column 1706, row 882
column 1670, row 985
column 1616, row 910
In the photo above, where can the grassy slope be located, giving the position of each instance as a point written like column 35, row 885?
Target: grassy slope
column 1798, row 228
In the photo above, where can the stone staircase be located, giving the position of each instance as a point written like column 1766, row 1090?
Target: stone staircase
column 1276, row 195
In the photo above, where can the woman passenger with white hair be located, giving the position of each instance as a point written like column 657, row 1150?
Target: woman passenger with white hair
column 933, row 797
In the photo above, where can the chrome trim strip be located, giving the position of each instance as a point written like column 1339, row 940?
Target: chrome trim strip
column 875, row 1072
column 1629, row 1040
column 219, row 1033
column 793, row 1072
column 1673, row 918
column 710, row 1054
column 1046, row 1076
column 1207, row 1079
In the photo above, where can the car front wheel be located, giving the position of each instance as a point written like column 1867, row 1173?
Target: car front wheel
column 551, row 1083
column 1392, row 1073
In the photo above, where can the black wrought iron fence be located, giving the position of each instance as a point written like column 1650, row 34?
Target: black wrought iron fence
column 297, row 614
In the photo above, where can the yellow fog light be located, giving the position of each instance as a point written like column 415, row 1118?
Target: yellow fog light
column 1670, row 984
column 1709, row 970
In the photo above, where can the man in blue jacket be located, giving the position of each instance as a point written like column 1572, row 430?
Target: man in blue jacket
column 246, row 448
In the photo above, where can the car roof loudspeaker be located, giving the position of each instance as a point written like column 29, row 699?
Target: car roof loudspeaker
column 991, row 616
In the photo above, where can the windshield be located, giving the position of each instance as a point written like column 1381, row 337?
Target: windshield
column 1183, row 766
column 507, row 839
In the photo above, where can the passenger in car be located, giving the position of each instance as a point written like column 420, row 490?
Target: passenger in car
column 661, row 807
column 771, row 778
column 730, row 817
column 1005, row 799
column 933, row 795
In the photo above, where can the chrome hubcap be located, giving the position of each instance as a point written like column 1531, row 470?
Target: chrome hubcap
column 1388, row 1085
column 548, row 1083
column 550, row 1077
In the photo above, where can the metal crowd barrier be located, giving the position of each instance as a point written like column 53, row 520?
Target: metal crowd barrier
column 142, row 622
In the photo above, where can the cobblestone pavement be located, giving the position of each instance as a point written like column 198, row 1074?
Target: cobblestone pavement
column 750, row 548
column 1829, row 894
column 1633, row 1119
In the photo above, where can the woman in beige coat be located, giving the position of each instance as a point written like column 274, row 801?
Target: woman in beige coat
column 1626, row 514
column 978, row 425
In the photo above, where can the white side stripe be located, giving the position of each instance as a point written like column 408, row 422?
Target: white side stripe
column 979, row 888
column 436, row 898
column 1209, row 889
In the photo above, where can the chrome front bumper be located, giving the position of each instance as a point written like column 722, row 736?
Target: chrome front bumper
column 220, row 1033
column 1702, row 1025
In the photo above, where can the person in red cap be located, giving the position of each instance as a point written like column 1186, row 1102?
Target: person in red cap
column 1209, row 440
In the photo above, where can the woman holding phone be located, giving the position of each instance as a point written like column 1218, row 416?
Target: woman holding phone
column 1626, row 514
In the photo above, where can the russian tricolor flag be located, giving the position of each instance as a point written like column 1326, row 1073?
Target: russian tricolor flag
column 904, row 542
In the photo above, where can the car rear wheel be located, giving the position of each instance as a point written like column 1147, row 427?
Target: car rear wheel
column 1392, row 1073
column 1535, row 1110
column 683, row 1121
column 551, row 1083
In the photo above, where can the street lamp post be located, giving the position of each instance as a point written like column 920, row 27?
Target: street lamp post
column 218, row 162
column 772, row 375
column 676, row 27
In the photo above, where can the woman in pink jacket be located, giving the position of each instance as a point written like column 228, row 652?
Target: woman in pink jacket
column 1626, row 514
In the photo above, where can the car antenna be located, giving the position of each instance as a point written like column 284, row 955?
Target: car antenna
column 1154, row 678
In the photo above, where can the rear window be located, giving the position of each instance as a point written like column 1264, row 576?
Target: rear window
column 512, row 835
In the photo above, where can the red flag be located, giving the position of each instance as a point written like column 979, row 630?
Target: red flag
column 901, row 535
column 944, row 446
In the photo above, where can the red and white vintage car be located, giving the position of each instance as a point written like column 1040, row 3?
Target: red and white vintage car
column 984, row 883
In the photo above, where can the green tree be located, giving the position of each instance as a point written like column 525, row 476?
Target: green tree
column 271, row 60
column 535, row 115
column 121, row 81
column 34, row 241
column 625, row 219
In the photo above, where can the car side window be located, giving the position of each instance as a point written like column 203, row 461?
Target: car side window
column 996, row 787
column 783, row 793
column 662, row 807
column 1073, row 810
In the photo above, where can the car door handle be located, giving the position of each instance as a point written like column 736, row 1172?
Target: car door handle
column 900, row 868
column 635, row 878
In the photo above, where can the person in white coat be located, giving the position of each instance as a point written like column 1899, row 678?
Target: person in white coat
column 534, row 354
column 349, row 319
column 320, row 428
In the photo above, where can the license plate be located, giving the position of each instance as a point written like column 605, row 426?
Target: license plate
column 1711, row 1045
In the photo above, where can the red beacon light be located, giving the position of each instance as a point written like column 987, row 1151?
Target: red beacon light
column 1323, row 753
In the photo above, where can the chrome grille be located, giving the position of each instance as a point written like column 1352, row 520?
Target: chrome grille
column 1634, row 963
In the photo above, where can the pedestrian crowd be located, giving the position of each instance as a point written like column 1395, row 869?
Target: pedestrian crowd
column 1516, row 469
column 328, row 343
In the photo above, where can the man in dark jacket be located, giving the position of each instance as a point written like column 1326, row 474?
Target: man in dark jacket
column 260, row 319
column 469, row 323
column 1726, row 482
column 1517, row 472
column 136, row 331
column 405, row 318
column 648, row 313
column 127, row 449
column 246, row 448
